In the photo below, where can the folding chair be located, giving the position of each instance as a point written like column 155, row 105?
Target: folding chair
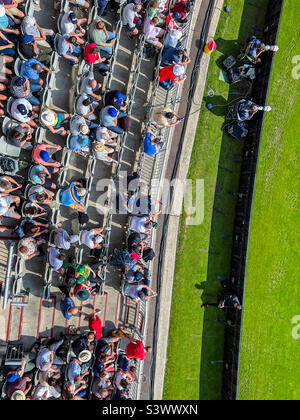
column 8, row 149
column 59, row 19
column 20, row 54
column 9, row 104
column 6, row 125
column 17, row 66
column 56, row 40
column 39, row 135
column 29, row 8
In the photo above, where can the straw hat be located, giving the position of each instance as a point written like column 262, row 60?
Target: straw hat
column 85, row 356
column 99, row 146
column 18, row 395
column 84, row 129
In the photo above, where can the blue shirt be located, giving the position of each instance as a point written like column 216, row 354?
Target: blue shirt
column 169, row 56
column 149, row 148
column 105, row 118
column 69, row 196
column 74, row 370
column 4, row 22
column 65, row 305
column 33, row 174
column 27, row 70
column 77, row 142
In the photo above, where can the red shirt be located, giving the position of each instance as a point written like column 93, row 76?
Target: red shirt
column 90, row 58
column 136, row 350
column 167, row 73
column 170, row 23
column 179, row 8
column 96, row 325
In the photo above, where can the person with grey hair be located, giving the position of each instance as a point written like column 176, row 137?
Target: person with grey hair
column 73, row 196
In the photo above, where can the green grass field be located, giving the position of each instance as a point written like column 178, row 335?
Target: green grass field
column 195, row 338
column 270, row 357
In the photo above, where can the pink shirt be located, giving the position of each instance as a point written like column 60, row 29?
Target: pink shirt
column 150, row 30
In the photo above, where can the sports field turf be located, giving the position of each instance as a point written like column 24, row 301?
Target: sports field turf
column 196, row 339
column 270, row 357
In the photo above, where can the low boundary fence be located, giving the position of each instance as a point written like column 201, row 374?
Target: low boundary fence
column 243, row 211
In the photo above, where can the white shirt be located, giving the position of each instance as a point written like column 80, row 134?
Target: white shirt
column 137, row 224
column 102, row 134
column 85, row 86
column 16, row 114
column 80, row 108
column 61, row 239
column 128, row 15
column 75, row 125
column 66, row 26
column 41, row 389
column 87, row 237
column 149, row 29
column 53, row 261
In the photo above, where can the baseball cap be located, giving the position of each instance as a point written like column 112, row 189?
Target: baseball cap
column 135, row 256
column 119, row 97
column 87, row 101
column 12, row 377
column 112, row 112
column 44, row 155
column 73, row 17
column 177, row 15
column 22, row 109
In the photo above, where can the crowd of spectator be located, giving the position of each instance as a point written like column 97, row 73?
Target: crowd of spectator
column 96, row 366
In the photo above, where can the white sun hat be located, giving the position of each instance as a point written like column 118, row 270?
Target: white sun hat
column 85, row 356
column 48, row 117
column 178, row 70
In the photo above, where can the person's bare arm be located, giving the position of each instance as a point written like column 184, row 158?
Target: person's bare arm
column 43, row 36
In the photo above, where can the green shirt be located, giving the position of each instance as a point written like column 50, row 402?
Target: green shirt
column 97, row 35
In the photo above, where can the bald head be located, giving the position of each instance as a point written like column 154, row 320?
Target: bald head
column 93, row 84
column 73, row 311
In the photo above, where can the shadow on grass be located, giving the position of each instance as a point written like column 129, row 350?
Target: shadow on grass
column 222, row 222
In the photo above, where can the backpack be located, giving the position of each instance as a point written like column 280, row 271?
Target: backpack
column 125, row 123
column 83, row 218
column 148, row 254
column 8, row 165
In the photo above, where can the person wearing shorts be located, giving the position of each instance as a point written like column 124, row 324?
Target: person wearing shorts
column 53, row 120
column 40, row 174
column 7, row 206
column 43, row 153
